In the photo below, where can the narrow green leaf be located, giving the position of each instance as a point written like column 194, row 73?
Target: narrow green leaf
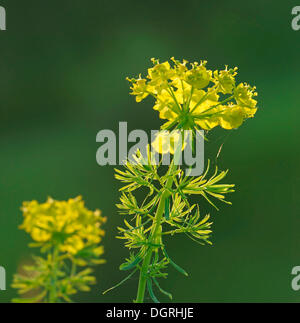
column 150, row 290
column 128, row 266
column 121, row 282
column 35, row 299
column 178, row 268
column 161, row 290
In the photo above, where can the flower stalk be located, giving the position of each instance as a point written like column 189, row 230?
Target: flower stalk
column 54, row 267
column 153, row 237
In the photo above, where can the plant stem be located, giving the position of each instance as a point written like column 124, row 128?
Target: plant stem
column 153, row 234
column 53, row 291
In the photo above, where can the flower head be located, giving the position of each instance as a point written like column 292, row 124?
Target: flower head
column 190, row 96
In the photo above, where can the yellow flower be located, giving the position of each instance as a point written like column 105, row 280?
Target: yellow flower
column 232, row 117
column 193, row 97
column 166, row 141
column 198, row 77
column 166, row 105
column 243, row 95
column 66, row 224
column 139, row 88
column 159, row 75
column 225, row 80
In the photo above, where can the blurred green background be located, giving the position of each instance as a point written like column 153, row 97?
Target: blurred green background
column 63, row 66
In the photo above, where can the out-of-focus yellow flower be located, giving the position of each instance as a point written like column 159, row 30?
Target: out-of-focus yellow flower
column 69, row 234
column 167, row 142
column 69, row 225
column 194, row 97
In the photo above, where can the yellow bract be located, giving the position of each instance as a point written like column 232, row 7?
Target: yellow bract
column 69, row 225
column 193, row 96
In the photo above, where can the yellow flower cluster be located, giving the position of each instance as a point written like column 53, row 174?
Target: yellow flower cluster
column 190, row 96
column 69, row 225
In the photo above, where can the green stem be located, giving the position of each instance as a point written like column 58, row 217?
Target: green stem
column 53, row 287
column 73, row 270
column 153, row 236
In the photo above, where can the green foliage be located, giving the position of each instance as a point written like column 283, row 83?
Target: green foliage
column 40, row 281
column 52, row 280
column 166, row 210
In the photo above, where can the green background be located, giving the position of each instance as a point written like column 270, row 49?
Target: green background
column 62, row 79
